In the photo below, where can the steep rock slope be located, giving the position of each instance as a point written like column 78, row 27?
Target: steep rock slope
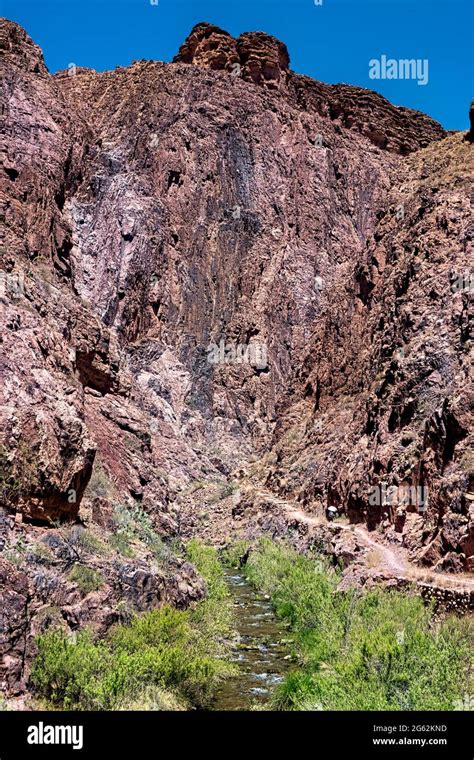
column 407, row 419
column 308, row 234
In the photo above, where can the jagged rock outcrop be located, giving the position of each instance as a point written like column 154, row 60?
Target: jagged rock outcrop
column 20, row 50
column 254, row 56
column 158, row 210
column 14, row 600
column 264, row 60
column 207, row 45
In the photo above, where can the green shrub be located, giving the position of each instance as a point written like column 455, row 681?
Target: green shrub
column 121, row 543
column 156, row 650
column 379, row 650
column 69, row 673
column 40, row 552
column 133, row 524
column 169, row 658
column 86, row 578
column 151, row 699
column 213, row 617
column 89, row 543
column 16, row 553
column 206, row 561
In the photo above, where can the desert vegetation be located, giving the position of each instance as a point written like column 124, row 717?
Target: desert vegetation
column 165, row 659
column 360, row 650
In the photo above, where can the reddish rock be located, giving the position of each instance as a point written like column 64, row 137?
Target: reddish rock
column 307, row 222
column 451, row 563
column 346, row 548
column 254, row 56
column 14, row 602
column 265, row 60
column 207, row 45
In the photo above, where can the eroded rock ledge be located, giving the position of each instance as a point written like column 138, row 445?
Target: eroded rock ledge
column 257, row 57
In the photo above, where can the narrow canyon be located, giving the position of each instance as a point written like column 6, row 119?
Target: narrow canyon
column 236, row 303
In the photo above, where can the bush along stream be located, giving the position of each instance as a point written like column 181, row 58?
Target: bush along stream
column 166, row 659
column 274, row 634
column 374, row 650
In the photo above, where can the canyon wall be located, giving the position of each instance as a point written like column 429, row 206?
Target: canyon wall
column 154, row 210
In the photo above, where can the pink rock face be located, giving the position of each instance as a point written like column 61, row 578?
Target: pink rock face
column 154, row 211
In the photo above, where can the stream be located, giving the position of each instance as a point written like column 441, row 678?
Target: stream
column 258, row 652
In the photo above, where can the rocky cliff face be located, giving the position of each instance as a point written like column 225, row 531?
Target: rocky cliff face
column 162, row 221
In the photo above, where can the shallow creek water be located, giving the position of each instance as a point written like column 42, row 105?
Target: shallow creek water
column 259, row 652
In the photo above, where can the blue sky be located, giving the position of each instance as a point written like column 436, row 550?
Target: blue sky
column 332, row 42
